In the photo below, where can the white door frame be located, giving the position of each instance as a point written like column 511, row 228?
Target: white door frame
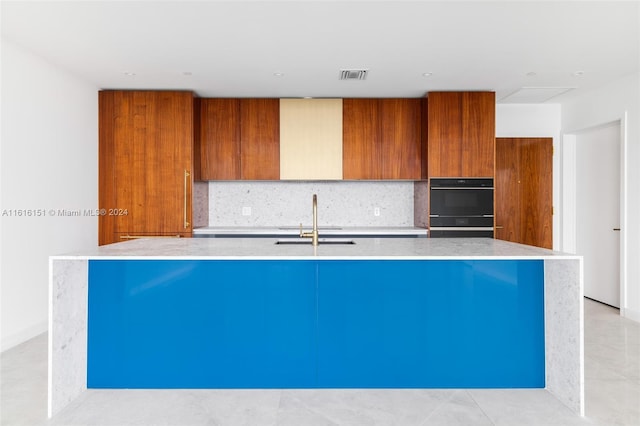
column 569, row 191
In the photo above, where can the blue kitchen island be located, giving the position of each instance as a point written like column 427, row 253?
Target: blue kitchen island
column 380, row 313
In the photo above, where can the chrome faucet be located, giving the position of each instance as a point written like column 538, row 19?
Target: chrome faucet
column 314, row 233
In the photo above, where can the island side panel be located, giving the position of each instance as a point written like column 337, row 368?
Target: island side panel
column 564, row 331
column 68, row 283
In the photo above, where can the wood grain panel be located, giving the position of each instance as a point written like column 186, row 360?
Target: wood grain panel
column 106, row 164
column 524, row 190
column 197, row 145
column 424, row 138
column 260, row 139
column 507, row 190
column 145, row 146
column 536, row 159
column 360, row 156
column 445, row 134
column 311, row 139
column 399, row 142
column 478, row 134
column 220, row 139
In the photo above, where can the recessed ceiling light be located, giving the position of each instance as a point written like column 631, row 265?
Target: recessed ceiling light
column 278, row 74
column 427, row 74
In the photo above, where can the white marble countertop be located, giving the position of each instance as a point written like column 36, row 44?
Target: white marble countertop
column 323, row 230
column 363, row 249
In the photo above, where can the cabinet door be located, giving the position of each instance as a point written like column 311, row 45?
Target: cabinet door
column 507, row 190
column 536, row 194
column 461, row 134
column 260, row 139
column 219, row 139
column 381, row 139
column 146, row 162
column 168, row 163
column 399, row 141
column 360, row 139
column 523, row 191
column 310, row 139
column 445, row 134
column 478, row 134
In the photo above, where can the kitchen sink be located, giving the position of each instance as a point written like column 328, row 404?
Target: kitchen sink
column 321, row 241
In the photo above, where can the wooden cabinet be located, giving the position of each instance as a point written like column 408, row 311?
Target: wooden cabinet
column 260, row 139
column 145, row 164
column 382, row 139
column 311, row 139
column 239, row 139
column 461, row 134
column 218, row 139
column 523, row 191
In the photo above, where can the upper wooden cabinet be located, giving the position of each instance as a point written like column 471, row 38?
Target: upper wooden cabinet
column 145, row 164
column 218, row 139
column 239, row 139
column 381, row 139
column 260, row 139
column 311, row 139
column 461, row 134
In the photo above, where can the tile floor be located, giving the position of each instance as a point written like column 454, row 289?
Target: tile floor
column 612, row 371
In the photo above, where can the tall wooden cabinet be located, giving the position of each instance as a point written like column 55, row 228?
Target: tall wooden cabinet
column 523, row 191
column 461, row 134
column 145, row 164
column 238, row 139
column 381, row 138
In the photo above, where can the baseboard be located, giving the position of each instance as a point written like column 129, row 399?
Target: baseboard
column 28, row 333
column 630, row 314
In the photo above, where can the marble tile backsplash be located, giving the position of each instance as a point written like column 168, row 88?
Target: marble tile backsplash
column 290, row 203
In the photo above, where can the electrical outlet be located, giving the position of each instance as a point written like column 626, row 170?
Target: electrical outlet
column 246, row 211
column 376, row 211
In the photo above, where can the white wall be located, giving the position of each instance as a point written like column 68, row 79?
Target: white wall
column 536, row 120
column 614, row 102
column 48, row 157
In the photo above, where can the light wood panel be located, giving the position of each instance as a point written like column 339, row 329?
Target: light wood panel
column 311, row 139
column 523, row 191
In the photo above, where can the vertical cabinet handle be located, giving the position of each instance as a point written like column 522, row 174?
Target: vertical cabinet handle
column 186, row 179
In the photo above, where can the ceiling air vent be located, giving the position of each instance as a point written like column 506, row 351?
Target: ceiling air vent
column 353, row 74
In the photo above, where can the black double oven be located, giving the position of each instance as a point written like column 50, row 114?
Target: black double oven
column 461, row 207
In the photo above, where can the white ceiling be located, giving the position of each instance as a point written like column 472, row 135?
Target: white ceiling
column 233, row 48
